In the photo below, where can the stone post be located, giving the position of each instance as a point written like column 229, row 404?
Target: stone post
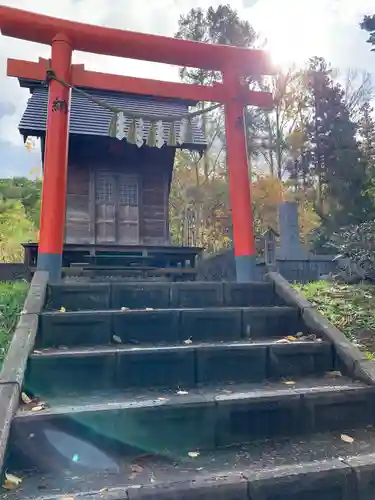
column 290, row 245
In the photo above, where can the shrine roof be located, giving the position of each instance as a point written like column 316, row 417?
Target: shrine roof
column 88, row 118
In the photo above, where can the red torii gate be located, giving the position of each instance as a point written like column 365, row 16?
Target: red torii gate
column 66, row 36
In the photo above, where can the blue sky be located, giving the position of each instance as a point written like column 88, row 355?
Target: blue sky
column 295, row 30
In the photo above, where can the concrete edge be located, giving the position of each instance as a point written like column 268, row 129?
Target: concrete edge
column 354, row 361
column 13, row 370
column 354, row 478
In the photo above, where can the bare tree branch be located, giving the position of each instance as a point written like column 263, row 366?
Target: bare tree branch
column 358, row 89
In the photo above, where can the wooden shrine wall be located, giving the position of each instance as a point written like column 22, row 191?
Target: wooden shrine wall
column 109, row 180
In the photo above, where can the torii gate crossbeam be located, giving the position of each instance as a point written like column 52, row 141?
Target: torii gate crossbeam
column 66, row 36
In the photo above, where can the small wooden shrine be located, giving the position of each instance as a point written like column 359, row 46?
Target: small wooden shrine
column 117, row 193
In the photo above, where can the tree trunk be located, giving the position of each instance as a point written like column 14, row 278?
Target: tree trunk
column 278, row 144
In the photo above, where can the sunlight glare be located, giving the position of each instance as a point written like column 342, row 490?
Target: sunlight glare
column 294, row 30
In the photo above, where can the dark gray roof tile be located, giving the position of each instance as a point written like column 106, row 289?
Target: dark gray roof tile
column 89, row 118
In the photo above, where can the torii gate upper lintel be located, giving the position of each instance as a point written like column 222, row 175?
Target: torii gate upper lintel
column 66, row 36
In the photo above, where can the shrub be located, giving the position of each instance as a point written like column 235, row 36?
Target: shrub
column 358, row 243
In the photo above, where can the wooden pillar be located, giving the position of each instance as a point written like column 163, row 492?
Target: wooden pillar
column 239, row 182
column 52, row 220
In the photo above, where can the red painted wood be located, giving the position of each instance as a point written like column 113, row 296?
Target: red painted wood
column 114, row 42
column 52, row 220
column 237, row 163
column 138, row 86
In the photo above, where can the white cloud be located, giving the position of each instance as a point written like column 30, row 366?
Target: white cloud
column 336, row 31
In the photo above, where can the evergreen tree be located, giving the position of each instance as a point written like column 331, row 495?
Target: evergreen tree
column 341, row 179
column 366, row 133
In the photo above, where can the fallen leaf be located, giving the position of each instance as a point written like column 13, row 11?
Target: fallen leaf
column 346, row 438
column 193, row 454
column 25, row 398
column 334, row 374
column 136, row 469
column 289, row 382
column 38, row 408
column 116, row 339
column 11, row 481
column 311, row 336
column 62, row 309
column 188, row 341
column 182, row 393
column 291, row 338
column 124, row 309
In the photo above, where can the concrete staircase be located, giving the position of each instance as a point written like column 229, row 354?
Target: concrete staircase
column 188, row 390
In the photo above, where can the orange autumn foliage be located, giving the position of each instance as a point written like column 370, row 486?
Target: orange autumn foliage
column 267, row 194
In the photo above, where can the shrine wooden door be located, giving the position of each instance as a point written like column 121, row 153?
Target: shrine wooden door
column 116, row 209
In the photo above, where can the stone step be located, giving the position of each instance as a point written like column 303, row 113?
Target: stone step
column 166, row 325
column 172, row 423
column 320, row 466
column 53, row 371
column 158, row 295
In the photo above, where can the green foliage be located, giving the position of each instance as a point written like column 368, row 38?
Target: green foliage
column 335, row 155
column 358, row 243
column 368, row 24
column 220, row 25
column 349, row 307
column 12, row 297
column 15, row 228
column 19, row 216
column 26, row 191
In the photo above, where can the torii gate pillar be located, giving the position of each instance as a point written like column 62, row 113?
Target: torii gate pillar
column 239, row 182
column 52, row 218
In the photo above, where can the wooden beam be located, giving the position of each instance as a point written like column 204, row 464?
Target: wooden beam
column 139, row 86
column 27, row 69
column 39, row 28
column 145, row 86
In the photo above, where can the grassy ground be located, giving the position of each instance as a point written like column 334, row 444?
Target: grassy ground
column 349, row 307
column 12, row 297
